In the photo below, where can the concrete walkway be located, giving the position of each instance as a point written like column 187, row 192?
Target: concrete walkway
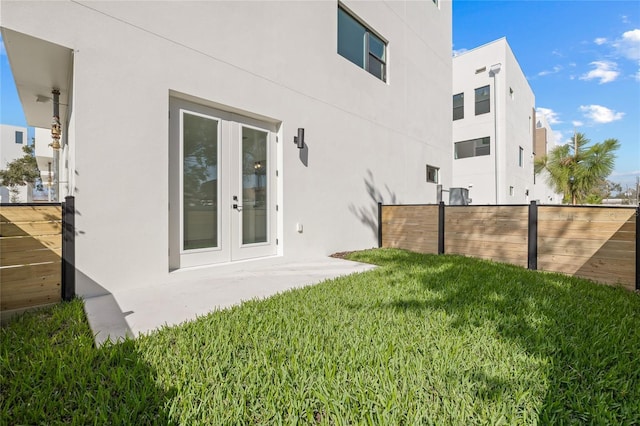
column 144, row 309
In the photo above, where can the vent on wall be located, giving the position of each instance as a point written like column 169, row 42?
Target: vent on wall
column 479, row 70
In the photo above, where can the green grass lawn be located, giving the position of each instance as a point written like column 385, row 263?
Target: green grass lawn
column 422, row 339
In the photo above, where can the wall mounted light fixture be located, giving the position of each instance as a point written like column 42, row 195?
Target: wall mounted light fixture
column 299, row 140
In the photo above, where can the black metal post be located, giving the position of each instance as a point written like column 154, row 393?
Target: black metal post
column 532, row 262
column 638, row 248
column 441, row 227
column 68, row 249
column 379, row 225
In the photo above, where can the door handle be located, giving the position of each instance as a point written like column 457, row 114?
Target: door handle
column 235, row 205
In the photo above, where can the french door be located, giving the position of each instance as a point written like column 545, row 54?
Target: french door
column 222, row 186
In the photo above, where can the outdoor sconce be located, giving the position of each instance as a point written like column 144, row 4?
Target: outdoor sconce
column 299, row 140
column 56, row 129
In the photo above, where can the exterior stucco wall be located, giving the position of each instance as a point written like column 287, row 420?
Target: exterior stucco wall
column 368, row 140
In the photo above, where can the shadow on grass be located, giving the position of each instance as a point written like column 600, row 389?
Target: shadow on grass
column 52, row 373
column 587, row 334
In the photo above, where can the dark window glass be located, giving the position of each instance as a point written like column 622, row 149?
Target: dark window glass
column 432, row 174
column 360, row 46
column 520, row 156
column 351, row 38
column 458, row 106
column 483, row 99
column 19, row 136
column 472, row 148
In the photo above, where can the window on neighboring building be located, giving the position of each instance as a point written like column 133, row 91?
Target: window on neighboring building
column 511, row 191
column 472, row 148
column 433, row 174
column 19, row 137
column 520, row 156
column 358, row 44
column 483, row 98
column 458, row 106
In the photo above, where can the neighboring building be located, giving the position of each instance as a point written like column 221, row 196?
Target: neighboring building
column 493, row 126
column 44, row 158
column 179, row 120
column 544, row 143
column 12, row 140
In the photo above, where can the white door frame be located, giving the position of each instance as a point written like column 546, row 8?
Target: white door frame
column 229, row 183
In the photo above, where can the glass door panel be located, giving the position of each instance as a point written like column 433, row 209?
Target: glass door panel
column 255, row 167
column 200, row 181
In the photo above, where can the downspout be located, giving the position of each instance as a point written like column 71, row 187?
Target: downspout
column 495, row 69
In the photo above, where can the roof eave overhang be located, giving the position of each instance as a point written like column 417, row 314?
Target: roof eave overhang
column 39, row 67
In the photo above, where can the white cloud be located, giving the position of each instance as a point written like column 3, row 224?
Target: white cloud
column 636, row 76
column 600, row 41
column 605, row 71
column 625, row 19
column 558, row 139
column 600, row 114
column 549, row 114
column 629, row 45
column 556, row 52
column 457, row 52
column 577, row 123
column 555, row 70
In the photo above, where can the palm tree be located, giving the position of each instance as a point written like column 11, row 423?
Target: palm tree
column 576, row 169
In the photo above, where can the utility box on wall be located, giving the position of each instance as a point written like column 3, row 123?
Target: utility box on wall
column 459, row 197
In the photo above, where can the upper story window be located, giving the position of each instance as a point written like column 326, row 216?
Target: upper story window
column 472, row 148
column 361, row 46
column 521, row 157
column 458, row 106
column 19, row 137
column 483, row 99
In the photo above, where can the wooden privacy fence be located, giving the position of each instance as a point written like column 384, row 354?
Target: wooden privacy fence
column 599, row 243
column 36, row 255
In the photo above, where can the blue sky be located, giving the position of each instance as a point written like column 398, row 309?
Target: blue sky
column 581, row 58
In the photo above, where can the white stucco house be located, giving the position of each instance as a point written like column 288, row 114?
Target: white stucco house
column 204, row 133
column 44, row 158
column 494, row 125
column 12, row 140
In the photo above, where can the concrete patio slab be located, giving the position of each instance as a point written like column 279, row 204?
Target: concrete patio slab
column 196, row 292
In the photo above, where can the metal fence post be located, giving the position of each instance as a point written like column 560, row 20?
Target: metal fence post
column 532, row 262
column 379, row 225
column 68, row 249
column 638, row 248
column 441, row 227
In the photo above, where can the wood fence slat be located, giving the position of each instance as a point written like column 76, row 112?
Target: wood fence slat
column 30, row 243
column 30, row 213
column 586, row 214
column 30, row 228
column 25, row 300
column 22, row 274
column 10, row 258
column 548, row 245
